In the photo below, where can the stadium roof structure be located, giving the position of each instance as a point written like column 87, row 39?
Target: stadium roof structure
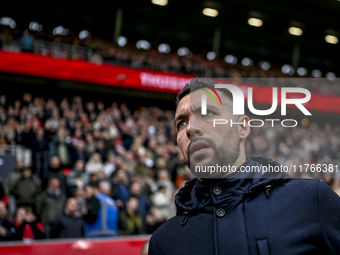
column 181, row 23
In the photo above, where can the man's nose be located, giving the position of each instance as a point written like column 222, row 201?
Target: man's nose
column 193, row 129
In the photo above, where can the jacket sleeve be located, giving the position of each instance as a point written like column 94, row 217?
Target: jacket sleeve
column 38, row 233
column 329, row 207
column 92, row 212
column 56, row 229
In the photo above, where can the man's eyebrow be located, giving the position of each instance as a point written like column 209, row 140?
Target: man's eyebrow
column 198, row 108
column 179, row 116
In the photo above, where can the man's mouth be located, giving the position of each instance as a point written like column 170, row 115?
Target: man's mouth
column 198, row 148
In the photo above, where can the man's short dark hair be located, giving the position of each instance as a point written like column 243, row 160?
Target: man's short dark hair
column 199, row 83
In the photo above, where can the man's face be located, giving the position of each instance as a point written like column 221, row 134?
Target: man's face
column 132, row 204
column 89, row 192
column 72, row 205
column 3, row 210
column 201, row 143
column 54, row 185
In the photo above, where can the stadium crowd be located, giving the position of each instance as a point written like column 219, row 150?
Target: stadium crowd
column 84, row 169
column 104, row 51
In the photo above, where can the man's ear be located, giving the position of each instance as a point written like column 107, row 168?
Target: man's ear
column 243, row 130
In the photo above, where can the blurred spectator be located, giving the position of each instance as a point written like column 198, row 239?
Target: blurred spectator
column 101, row 150
column 95, row 164
column 50, row 204
column 154, row 220
column 26, row 188
column 162, row 201
column 27, row 227
column 7, row 228
column 143, row 202
column 70, row 224
column 106, row 223
column 92, row 205
column 79, row 152
column 164, row 180
column 27, row 41
column 77, row 178
column 120, row 188
column 96, row 58
column 110, row 165
column 55, row 171
column 79, row 196
column 52, row 123
column 94, row 180
column 40, row 150
column 61, row 147
column 14, row 176
column 24, row 139
column 130, row 221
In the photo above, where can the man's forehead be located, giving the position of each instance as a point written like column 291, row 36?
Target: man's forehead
column 183, row 105
column 193, row 99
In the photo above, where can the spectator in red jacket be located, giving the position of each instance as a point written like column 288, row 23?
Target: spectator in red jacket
column 27, row 226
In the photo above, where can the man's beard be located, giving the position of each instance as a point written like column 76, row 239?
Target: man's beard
column 221, row 157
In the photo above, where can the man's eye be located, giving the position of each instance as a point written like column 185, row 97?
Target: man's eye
column 181, row 124
column 209, row 113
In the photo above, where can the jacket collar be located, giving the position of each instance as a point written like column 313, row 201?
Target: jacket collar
column 199, row 194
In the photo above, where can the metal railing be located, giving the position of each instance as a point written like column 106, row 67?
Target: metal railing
column 8, row 149
column 54, row 49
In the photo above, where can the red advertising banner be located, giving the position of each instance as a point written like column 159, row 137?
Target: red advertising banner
column 117, row 246
column 127, row 77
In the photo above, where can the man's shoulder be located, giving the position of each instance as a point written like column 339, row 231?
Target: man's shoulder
column 170, row 227
column 303, row 182
column 301, row 186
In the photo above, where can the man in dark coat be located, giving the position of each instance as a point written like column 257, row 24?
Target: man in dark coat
column 50, row 204
column 90, row 213
column 70, row 224
column 26, row 188
column 239, row 211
